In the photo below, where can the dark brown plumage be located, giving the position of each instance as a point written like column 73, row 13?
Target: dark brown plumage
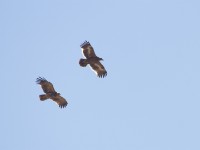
column 92, row 60
column 50, row 92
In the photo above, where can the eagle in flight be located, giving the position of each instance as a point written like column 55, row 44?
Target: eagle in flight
column 50, row 92
column 92, row 60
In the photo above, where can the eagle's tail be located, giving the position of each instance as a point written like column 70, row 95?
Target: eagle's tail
column 44, row 97
column 83, row 62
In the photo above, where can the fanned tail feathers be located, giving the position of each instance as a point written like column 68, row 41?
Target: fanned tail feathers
column 83, row 62
column 44, row 97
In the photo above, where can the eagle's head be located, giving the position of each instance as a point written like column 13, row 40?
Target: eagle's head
column 54, row 94
column 57, row 94
column 100, row 59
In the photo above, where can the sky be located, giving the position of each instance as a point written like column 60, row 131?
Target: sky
column 150, row 98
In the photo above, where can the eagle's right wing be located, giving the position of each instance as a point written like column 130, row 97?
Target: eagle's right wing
column 99, row 69
column 87, row 50
column 60, row 101
column 46, row 85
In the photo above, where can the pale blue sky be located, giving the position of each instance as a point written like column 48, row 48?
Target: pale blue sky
column 150, row 99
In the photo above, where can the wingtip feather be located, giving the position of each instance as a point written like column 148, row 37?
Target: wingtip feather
column 102, row 75
column 40, row 79
column 63, row 106
column 84, row 44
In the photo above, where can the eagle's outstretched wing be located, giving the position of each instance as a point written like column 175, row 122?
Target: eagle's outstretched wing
column 87, row 50
column 46, row 85
column 99, row 69
column 60, row 101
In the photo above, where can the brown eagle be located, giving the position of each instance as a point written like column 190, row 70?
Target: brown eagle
column 92, row 60
column 50, row 92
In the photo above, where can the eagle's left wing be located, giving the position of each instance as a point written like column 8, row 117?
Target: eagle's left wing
column 87, row 50
column 60, row 101
column 46, row 85
column 99, row 69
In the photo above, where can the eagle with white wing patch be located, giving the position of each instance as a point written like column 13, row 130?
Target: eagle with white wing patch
column 92, row 60
column 50, row 92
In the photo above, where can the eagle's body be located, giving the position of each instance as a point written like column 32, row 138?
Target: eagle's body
column 92, row 60
column 50, row 92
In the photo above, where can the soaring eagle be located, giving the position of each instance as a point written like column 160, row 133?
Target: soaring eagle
column 92, row 60
column 50, row 92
